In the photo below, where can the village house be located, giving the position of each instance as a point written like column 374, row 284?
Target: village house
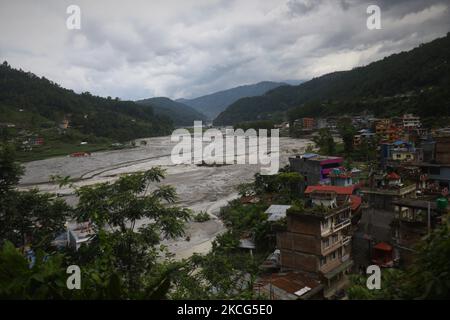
column 341, row 178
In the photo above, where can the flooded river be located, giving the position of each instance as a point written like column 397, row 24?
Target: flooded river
column 200, row 188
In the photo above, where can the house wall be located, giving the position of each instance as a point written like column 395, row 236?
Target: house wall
column 309, row 169
column 442, row 150
column 402, row 156
column 299, row 242
column 303, row 224
column 299, row 261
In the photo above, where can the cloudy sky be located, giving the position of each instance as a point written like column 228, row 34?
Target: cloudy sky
column 137, row 49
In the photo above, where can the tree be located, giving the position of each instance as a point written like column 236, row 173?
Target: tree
column 427, row 278
column 325, row 141
column 10, row 170
column 27, row 218
column 347, row 132
column 121, row 261
column 115, row 210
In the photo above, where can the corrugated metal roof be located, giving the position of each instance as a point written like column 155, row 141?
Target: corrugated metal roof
column 277, row 212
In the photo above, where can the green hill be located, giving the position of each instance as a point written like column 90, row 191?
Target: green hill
column 416, row 81
column 179, row 113
column 33, row 103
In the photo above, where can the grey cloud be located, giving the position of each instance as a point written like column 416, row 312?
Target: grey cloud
column 194, row 47
column 301, row 7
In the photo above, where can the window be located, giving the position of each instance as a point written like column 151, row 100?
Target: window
column 326, row 243
column 323, row 261
column 325, row 224
column 335, row 238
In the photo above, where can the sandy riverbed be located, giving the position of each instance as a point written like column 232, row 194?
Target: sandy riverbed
column 199, row 188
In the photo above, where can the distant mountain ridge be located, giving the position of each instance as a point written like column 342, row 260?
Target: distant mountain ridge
column 416, row 81
column 213, row 104
column 179, row 113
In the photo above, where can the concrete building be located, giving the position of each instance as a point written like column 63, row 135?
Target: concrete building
column 437, row 169
column 399, row 151
column 387, row 130
column 384, row 188
column 411, row 122
column 315, row 168
column 442, row 149
column 414, row 219
column 308, row 123
column 317, row 241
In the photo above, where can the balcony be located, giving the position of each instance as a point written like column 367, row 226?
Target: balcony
column 341, row 225
column 341, row 242
column 346, row 240
column 336, row 227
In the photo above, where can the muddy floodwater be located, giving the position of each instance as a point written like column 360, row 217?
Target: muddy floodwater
column 200, row 188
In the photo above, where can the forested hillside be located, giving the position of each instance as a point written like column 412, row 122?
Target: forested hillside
column 416, row 81
column 35, row 103
column 179, row 113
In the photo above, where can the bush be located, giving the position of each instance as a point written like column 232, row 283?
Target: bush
column 203, row 216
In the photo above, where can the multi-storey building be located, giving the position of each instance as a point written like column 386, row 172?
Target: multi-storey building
column 387, row 130
column 317, row 240
column 411, row 122
column 414, row 219
column 436, row 165
column 314, row 168
column 384, row 188
column 308, row 123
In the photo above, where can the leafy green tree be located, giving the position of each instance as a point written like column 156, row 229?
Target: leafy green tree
column 347, row 131
column 120, row 263
column 27, row 218
column 116, row 208
column 10, row 170
column 427, row 278
column 46, row 279
column 325, row 142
